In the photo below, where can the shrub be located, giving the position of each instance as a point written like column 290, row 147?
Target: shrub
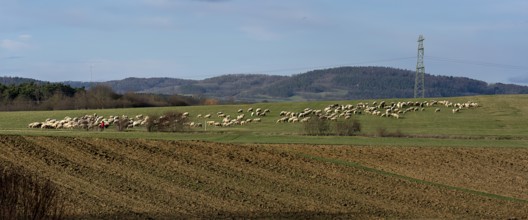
column 383, row 132
column 316, row 126
column 24, row 196
column 168, row 122
column 152, row 123
column 121, row 124
column 347, row 127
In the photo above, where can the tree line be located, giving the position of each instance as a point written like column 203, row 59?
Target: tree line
column 57, row 96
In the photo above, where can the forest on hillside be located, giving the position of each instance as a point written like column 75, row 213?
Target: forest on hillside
column 368, row 83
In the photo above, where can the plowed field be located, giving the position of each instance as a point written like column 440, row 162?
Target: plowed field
column 127, row 179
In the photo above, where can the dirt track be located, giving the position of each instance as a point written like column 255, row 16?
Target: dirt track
column 111, row 178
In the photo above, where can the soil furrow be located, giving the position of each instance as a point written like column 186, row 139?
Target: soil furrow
column 141, row 179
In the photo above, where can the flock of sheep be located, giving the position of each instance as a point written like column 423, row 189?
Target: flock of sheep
column 332, row 112
column 240, row 119
column 382, row 109
column 89, row 122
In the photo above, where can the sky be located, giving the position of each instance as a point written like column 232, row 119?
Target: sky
column 101, row 40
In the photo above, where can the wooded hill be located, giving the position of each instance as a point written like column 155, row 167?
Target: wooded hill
column 326, row 84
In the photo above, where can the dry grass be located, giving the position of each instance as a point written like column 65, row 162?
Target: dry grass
column 24, row 196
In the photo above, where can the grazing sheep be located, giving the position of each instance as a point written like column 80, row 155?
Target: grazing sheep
column 35, row 125
column 394, row 115
column 136, row 123
column 283, row 119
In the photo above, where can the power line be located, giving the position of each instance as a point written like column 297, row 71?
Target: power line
column 317, row 67
column 434, row 58
column 477, row 63
column 11, row 58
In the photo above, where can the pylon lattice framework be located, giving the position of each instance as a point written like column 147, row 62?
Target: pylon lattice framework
column 419, row 81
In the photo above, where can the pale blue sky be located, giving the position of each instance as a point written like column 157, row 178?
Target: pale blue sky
column 58, row 40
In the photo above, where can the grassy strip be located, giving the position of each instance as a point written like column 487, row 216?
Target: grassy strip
column 246, row 137
column 395, row 175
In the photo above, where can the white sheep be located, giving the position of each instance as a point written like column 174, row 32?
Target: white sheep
column 394, row 115
column 35, row 125
column 283, row 119
column 305, row 119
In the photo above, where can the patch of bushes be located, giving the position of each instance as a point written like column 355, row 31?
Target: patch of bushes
column 169, row 122
column 347, row 127
column 383, row 132
column 23, row 196
column 318, row 127
column 121, row 124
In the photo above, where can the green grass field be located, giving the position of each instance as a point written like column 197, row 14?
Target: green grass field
column 500, row 121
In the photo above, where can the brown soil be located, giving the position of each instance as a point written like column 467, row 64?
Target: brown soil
column 142, row 179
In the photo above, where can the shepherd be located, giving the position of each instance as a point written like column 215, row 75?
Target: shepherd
column 102, row 125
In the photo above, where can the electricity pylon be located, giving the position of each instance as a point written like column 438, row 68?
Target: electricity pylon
column 419, row 81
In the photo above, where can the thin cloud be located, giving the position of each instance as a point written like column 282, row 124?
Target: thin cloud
column 260, row 33
column 157, row 22
column 24, row 37
column 20, row 43
column 13, row 45
column 161, row 3
column 214, row 1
